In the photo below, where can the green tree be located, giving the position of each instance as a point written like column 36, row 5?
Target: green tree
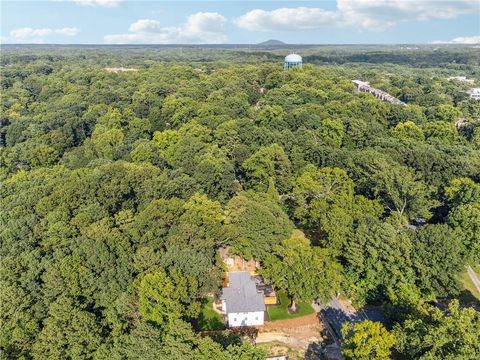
column 366, row 340
column 466, row 219
column 447, row 113
column 177, row 111
column 268, row 162
column 215, row 173
column 184, row 148
column 401, row 190
column 438, row 259
column 19, row 323
column 143, row 152
column 272, row 116
column 332, row 132
column 378, row 260
column 304, row 272
column 200, row 226
column 107, row 141
column 158, row 300
column 255, row 224
column 69, row 331
column 408, row 131
column 462, row 191
column 323, row 200
column 440, row 132
column 431, row 333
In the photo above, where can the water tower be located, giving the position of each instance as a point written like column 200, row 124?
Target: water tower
column 292, row 60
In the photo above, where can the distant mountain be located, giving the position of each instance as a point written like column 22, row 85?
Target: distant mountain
column 271, row 43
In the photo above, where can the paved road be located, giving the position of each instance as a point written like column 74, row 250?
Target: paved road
column 335, row 314
column 474, row 277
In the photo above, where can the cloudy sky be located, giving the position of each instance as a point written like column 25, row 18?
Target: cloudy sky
column 195, row 22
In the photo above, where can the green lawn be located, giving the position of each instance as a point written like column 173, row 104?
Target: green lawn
column 280, row 312
column 471, row 293
column 209, row 319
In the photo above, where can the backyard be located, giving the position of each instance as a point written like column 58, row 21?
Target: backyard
column 209, row 319
column 280, row 311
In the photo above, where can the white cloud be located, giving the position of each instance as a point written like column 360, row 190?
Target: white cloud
column 67, row 31
column 374, row 15
column 145, row 25
column 284, row 19
column 466, row 40
column 104, row 3
column 382, row 14
column 29, row 35
column 202, row 27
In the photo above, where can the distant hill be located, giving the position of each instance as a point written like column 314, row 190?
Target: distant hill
column 271, row 43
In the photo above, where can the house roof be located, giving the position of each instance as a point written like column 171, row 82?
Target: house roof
column 242, row 295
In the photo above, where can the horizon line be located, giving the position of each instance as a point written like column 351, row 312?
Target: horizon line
column 236, row 44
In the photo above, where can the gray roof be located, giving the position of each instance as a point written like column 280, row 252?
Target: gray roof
column 242, row 294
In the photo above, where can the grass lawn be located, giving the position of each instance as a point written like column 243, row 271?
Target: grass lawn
column 471, row 290
column 280, row 312
column 209, row 319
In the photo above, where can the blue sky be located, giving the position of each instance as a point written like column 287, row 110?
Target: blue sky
column 167, row 22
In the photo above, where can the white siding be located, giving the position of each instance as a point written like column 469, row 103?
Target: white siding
column 246, row 319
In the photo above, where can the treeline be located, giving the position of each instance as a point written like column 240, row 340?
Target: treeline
column 118, row 190
column 416, row 56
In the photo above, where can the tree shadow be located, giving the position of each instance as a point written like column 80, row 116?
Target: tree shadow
column 315, row 351
column 466, row 298
column 226, row 338
column 210, row 323
column 336, row 318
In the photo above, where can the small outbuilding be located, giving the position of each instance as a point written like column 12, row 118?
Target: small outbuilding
column 242, row 302
column 292, row 61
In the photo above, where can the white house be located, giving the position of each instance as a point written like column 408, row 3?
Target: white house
column 474, row 93
column 242, row 302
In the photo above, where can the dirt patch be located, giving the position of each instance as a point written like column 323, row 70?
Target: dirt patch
column 280, row 349
column 309, row 320
column 297, row 334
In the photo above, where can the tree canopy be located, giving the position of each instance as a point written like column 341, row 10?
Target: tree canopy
column 119, row 189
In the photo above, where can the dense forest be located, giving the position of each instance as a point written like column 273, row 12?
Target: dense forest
column 118, row 189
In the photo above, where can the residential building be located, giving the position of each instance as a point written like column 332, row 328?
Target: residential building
column 474, row 93
column 364, row 86
column 242, row 302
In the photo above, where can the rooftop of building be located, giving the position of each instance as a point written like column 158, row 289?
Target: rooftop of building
column 263, row 287
column 361, row 83
column 242, row 295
